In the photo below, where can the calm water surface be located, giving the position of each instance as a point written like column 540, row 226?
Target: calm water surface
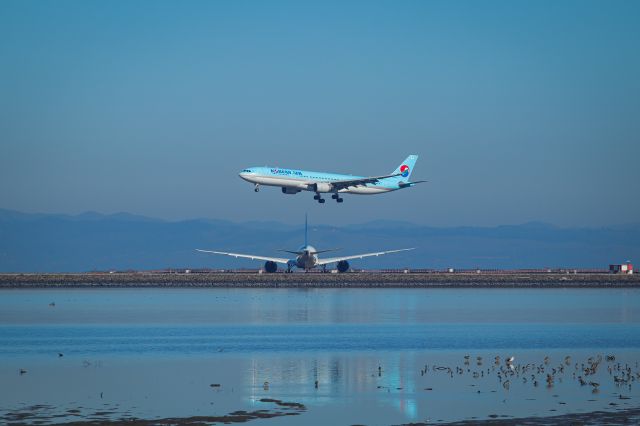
column 379, row 356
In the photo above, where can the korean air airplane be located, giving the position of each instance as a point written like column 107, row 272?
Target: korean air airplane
column 306, row 257
column 292, row 181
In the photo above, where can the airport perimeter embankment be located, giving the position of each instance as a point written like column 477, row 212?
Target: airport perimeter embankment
column 315, row 280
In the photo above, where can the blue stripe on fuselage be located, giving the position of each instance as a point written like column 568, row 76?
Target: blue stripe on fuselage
column 306, row 175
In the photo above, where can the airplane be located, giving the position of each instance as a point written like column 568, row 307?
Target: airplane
column 306, row 257
column 292, row 181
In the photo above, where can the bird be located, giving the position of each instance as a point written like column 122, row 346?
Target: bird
column 549, row 380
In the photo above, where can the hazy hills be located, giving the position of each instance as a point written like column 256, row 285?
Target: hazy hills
column 93, row 241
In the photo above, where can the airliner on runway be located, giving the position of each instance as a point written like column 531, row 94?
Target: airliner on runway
column 293, row 181
column 306, row 257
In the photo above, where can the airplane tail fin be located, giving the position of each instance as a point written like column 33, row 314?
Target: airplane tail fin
column 406, row 167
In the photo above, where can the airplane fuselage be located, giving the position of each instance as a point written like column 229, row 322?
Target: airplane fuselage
column 307, row 260
column 292, row 181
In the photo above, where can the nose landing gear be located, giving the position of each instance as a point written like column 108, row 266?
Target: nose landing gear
column 257, row 187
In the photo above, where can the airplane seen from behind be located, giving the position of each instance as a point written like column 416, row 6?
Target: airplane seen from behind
column 293, row 181
column 306, row 257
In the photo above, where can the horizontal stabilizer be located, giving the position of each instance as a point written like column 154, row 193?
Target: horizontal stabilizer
column 325, row 251
column 297, row 253
column 408, row 184
column 301, row 252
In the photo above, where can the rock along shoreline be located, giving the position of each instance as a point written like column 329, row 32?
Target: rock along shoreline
column 317, row 280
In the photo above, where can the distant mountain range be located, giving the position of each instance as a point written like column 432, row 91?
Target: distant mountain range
column 94, row 241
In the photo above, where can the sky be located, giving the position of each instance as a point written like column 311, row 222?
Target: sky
column 520, row 110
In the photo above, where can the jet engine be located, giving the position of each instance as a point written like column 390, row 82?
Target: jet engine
column 343, row 266
column 270, row 267
column 289, row 190
column 322, row 187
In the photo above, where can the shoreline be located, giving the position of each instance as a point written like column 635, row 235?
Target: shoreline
column 318, row 280
column 624, row 416
column 282, row 408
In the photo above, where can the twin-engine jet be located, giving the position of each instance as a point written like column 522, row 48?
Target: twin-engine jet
column 293, row 181
column 306, row 257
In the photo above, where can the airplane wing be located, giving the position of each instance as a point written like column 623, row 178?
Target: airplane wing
column 247, row 256
column 344, row 184
column 358, row 256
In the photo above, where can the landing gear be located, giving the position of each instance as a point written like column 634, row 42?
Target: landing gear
column 319, row 198
column 336, row 197
column 257, row 188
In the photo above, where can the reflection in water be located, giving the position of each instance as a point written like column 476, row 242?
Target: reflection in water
column 338, row 378
column 318, row 306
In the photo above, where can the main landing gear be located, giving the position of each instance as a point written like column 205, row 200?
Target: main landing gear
column 257, row 188
column 321, row 200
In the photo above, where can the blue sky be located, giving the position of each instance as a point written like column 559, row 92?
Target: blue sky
column 520, row 111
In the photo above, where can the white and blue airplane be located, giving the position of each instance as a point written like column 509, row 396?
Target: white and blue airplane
column 306, row 257
column 293, row 181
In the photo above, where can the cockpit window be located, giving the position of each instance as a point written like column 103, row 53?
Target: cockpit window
column 246, row 171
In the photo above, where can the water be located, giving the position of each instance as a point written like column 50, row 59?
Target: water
column 154, row 353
